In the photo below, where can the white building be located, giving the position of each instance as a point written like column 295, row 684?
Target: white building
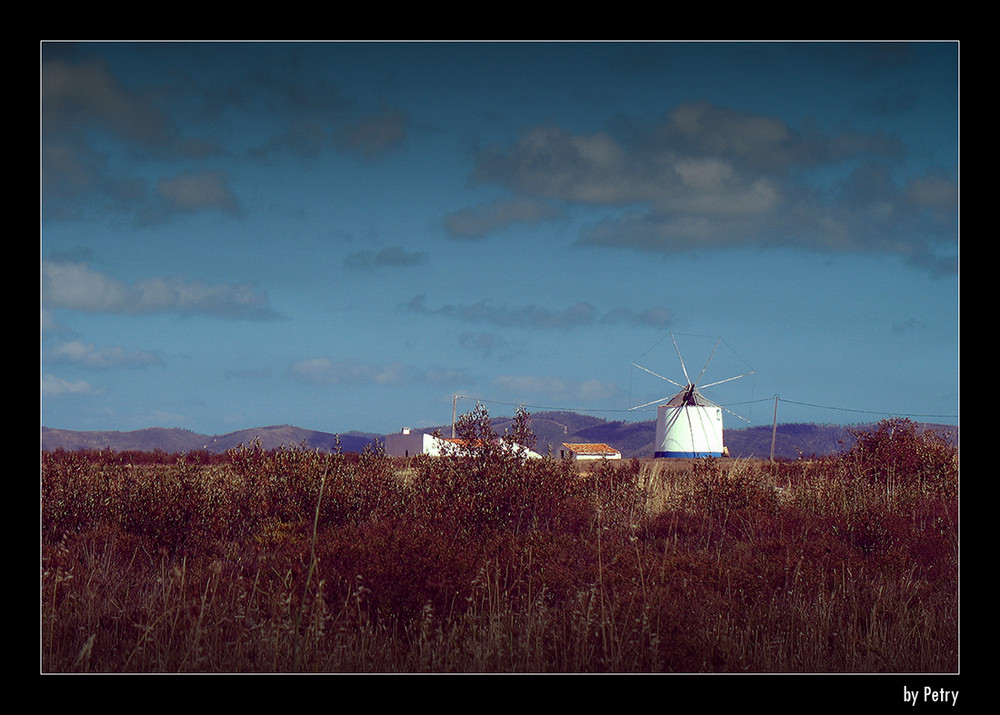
column 408, row 443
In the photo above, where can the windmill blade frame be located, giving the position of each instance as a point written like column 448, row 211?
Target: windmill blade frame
column 680, row 358
column 657, row 375
column 712, row 355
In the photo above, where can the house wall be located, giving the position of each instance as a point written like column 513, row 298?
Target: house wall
column 566, row 453
column 408, row 443
column 436, row 447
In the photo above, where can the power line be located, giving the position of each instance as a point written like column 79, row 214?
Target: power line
column 867, row 412
column 733, row 404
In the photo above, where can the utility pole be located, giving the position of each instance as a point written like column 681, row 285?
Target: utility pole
column 774, row 426
column 454, row 407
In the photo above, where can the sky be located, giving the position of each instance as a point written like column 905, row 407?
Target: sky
column 365, row 235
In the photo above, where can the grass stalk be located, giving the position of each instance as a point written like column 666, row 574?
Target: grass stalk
column 495, row 566
column 309, row 574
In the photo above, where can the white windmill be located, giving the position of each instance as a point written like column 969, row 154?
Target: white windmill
column 688, row 424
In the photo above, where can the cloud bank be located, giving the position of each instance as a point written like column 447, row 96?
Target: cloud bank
column 709, row 177
column 75, row 286
column 324, row 371
column 534, row 316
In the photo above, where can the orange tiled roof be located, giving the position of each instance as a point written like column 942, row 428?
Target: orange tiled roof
column 462, row 442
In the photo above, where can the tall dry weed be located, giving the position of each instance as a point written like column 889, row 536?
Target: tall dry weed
column 298, row 561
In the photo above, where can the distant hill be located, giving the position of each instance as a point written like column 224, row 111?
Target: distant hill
column 145, row 440
column 636, row 439
column 633, row 439
column 790, row 441
column 288, row 436
column 179, row 440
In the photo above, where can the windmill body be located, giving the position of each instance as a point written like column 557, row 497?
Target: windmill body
column 688, row 425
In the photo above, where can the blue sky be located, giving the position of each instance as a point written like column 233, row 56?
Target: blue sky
column 344, row 236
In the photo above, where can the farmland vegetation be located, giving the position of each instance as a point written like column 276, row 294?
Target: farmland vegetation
column 297, row 560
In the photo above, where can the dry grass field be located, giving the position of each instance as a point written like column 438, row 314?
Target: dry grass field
column 295, row 560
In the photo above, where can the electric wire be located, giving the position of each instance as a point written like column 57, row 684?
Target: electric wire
column 651, row 407
column 558, row 408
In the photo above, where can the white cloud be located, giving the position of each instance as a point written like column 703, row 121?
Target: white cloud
column 76, row 96
column 86, row 355
column 712, row 177
column 376, row 133
column 75, row 286
column 536, row 316
column 198, row 191
column 477, row 222
column 53, row 386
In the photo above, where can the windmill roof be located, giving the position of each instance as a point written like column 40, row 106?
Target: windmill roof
column 687, row 397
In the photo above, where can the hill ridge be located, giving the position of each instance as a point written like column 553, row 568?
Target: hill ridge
column 634, row 439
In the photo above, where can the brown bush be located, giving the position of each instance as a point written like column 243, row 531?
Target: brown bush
column 296, row 560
